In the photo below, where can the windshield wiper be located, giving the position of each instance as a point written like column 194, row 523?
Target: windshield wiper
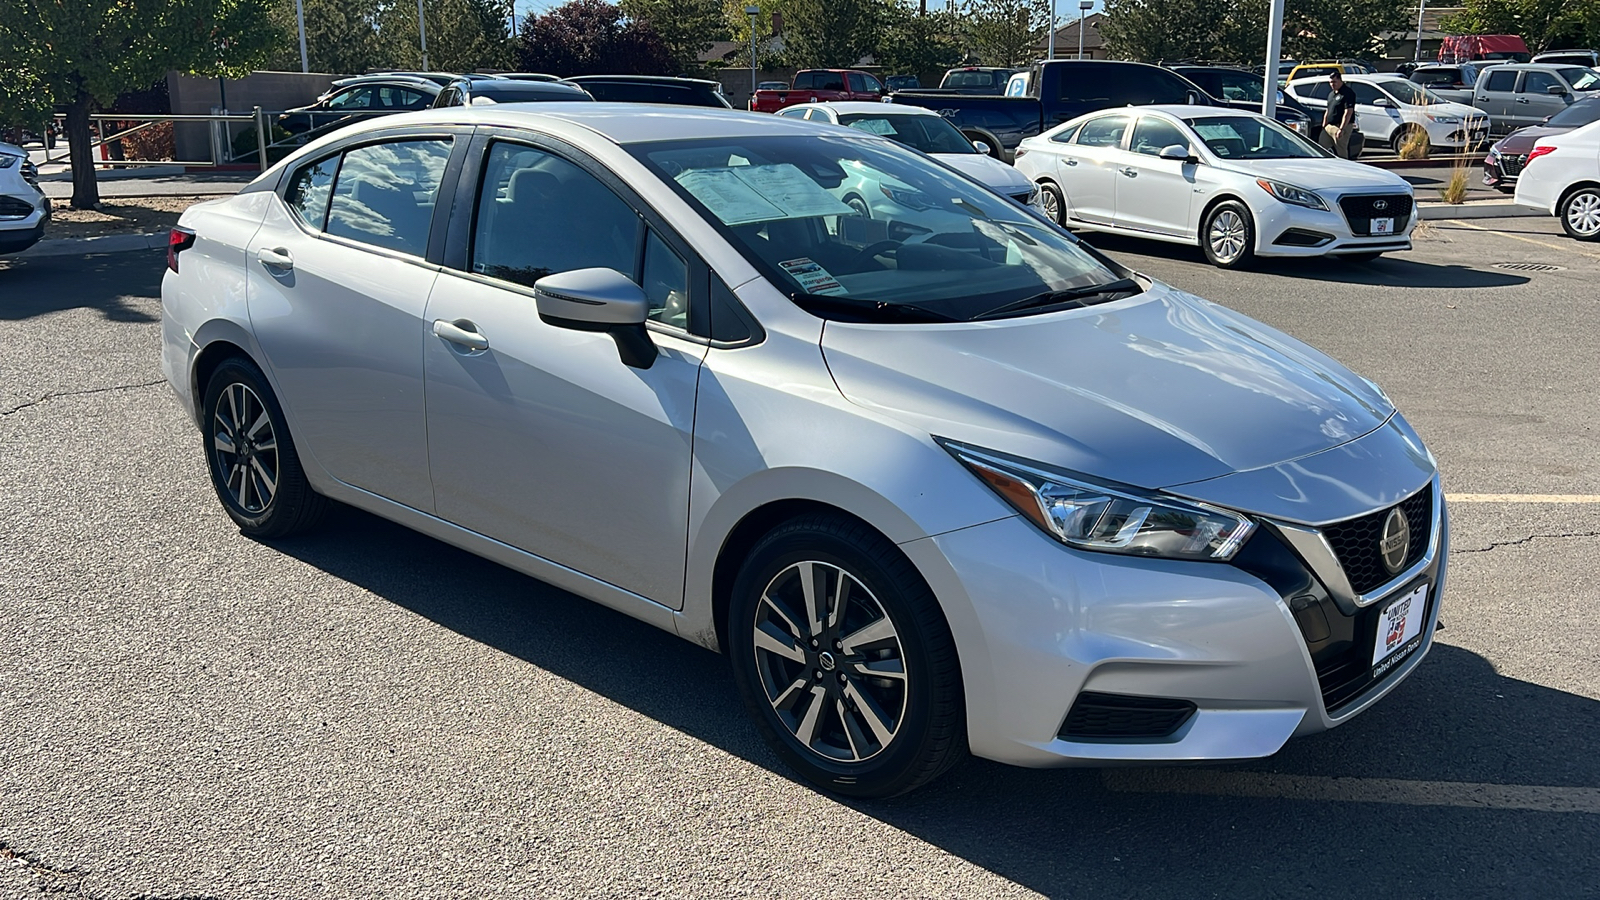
column 853, row 309
column 1070, row 296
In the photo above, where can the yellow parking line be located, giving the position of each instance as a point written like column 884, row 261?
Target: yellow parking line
column 1523, row 498
column 1519, row 237
column 1466, row 794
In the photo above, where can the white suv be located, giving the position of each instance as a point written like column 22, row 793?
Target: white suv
column 1389, row 107
column 23, row 207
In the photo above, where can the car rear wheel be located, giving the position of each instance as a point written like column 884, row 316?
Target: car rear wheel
column 1228, row 235
column 1580, row 214
column 844, row 659
column 254, row 467
column 1053, row 203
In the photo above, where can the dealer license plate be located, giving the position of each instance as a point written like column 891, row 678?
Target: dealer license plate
column 1382, row 226
column 1399, row 630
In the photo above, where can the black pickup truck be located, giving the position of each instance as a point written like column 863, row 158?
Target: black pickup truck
column 1058, row 90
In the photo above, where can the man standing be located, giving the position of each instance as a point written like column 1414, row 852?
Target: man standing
column 1339, row 132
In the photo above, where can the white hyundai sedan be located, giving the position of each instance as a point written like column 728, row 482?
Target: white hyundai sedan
column 1238, row 184
column 1562, row 177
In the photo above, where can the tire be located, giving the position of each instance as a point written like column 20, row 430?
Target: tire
column 1580, row 214
column 864, row 736
column 1228, row 235
column 264, row 488
column 859, row 205
column 1055, row 205
column 1399, row 137
column 1360, row 257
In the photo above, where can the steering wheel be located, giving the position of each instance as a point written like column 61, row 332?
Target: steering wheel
column 881, row 248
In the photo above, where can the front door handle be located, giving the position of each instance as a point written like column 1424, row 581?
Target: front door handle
column 461, row 332
column 1522, row 99
column 1129, row 171
column 278, row 258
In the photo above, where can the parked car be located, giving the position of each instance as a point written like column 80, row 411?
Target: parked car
column 1562, row 177
column 1237, row 184
column 1058, row 90
column 1389, row 108
column 44, row 136
column 1245, row 90
column 467, row 92
column 901, row 83
column 1481, row 47
column 527, row 76
column 772, row 86
column 24, row 210
column 653, row 89
column 1516, row 96
column 980, row 490
column 1285, row 66
column 985, row 80
column 1506, row 158
column 924, row 130
column 1324, row 69
column 1587, row 58
column 360, row 97
column 1453, row 82
column 819, row 86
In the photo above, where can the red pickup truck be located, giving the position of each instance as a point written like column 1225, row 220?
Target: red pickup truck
column 819, row 86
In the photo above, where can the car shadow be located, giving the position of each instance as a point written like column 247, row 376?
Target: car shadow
column 115, row 284
column 1386, row 271
column 1453, row 732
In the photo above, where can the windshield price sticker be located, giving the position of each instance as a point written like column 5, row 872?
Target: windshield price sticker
column 740, row 195
column 812, row 277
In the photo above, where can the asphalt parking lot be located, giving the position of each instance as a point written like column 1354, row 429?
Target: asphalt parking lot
column 369, row 713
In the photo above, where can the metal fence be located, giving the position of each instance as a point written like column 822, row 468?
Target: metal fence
column 260, row 131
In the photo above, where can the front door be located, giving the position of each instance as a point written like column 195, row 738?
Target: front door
column 1153, row 194
column 546, row 440
column 336, row 287
column 1533, row 102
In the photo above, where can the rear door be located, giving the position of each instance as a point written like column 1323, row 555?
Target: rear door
column 1495, row 91
column 1087, row 168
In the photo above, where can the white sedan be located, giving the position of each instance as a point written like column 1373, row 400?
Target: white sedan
column 1390, row 108
column 1238, row 184
column 1566, row 181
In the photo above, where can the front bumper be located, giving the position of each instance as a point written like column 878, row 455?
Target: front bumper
column 1037, row 624
column 1295, row 231
column 18, row 234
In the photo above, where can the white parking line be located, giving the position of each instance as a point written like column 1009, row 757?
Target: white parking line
column 1517, row 237
column 1465, row 794
column 1523, row 498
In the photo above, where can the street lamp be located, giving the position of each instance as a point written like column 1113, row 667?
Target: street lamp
column 422, row 36
column 752, row 11
column 1083, row 10
column 1050, row 53
column 300, row 20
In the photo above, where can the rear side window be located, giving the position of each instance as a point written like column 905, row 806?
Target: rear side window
column 1436, row 77
column 1317, row 90
column 385, row 193
column 1105, row 131
column 857, row 83
column 525, row 227
column 1065, row 136
column 827, row 81
column 1502, row 80
column 310, row 187
column 803, row 81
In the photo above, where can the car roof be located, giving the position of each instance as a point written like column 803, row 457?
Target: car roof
column 619, row 123
column 866, row 106
column 510, row 86
column 643, row 79
column 405, row 78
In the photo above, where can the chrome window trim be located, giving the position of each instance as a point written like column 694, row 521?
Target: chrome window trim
column 1312, row 546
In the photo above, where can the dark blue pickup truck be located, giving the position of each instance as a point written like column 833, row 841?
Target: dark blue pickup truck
column 1058, row 90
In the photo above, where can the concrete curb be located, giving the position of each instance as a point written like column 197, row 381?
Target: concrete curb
column 108, row 243
column 1476, row 209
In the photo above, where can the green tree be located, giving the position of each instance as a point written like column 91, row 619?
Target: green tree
column 463, row 35
column 917, row 43
column 686, row 27
column 591, row 37
column 736, row 27
column 1236, row 30
column 341, row 36
column 1157, row 30
column 1004, row 32
column 1330, row 29
column 1543, row 24
column 76, row 53
column 830, row 33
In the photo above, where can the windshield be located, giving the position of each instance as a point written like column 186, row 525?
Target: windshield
column 871, row 225
column 1252, row 137
column 930, row 134
column 1578, row 114
column 1411, row 94
column 1581, row 79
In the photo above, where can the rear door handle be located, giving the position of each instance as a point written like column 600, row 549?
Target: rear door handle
column 1070, row 161
column 1129, row 171
column 276, row 259
column 1522, row 99
column 461, row 332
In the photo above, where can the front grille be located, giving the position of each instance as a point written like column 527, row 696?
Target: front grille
column 1512, row 165
column 1355, row 541
column 15, row 208
column 1096, row 716
column 30, row 173
column 1361, row 209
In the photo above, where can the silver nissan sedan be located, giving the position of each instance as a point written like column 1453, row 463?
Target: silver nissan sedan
column 938, row 482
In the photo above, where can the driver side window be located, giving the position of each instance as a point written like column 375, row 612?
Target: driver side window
column 1151, row 135
column 1366, row 94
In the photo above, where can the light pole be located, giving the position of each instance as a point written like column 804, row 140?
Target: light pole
column 422, row 35
column 1083, row 10
column 1269, row 77
column 1416, row 56
column 1051, row 52
column 300, row 19
column 752, row 11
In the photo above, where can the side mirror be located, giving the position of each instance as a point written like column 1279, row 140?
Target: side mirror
column 1555, row 89
column 1383, row 102
column 599, row 300
column 1192, row 98
column 981, row 147
column 1177, row 152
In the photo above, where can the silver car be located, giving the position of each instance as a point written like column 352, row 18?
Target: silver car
column 953, row 482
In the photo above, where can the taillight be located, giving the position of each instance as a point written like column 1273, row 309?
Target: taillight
column 1538, row 152
column 178, row 241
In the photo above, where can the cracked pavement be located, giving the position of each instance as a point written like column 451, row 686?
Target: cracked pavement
column 185, row 713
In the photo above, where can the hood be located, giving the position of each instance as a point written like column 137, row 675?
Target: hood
column 1453, row 108
column 12, row 150
column 1522, row 140
column 987, row 171
column 1154, row 390
column 1321, row 174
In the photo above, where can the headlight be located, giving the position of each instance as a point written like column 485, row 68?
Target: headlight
column 1290, row 194
column 908, row 198
column 7, row 160
column 1091, row 516
column 1444, row 120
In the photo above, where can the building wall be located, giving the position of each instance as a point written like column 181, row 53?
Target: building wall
column 272, row 91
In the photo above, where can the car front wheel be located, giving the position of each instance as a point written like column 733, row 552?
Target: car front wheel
column 254, row 467
column 844, row 659
column 1228, row 235
column 1580, row 214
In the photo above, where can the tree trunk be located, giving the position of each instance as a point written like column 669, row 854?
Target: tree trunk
column 85, row 190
